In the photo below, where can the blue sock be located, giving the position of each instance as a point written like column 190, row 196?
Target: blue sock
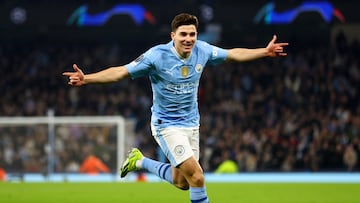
column 163, row 170
column 198, row 195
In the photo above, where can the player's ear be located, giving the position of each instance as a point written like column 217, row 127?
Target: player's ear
column 172, row 34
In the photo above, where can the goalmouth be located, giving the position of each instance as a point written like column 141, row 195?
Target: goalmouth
column 50, row 126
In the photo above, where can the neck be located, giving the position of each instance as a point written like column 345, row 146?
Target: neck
column 182, row 55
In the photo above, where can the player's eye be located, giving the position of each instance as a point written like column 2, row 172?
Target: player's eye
column 184, row 34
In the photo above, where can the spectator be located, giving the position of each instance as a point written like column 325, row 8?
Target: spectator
column 2, row 174
column 350, row 158
column 93, row 165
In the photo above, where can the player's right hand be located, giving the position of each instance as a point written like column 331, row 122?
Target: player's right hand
column 75, row 78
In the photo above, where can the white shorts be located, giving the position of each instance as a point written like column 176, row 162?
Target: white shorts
column 178, row 144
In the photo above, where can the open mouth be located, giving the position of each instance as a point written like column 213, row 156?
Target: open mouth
column 187, row 46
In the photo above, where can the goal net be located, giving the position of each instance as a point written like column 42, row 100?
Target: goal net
column 52, row 144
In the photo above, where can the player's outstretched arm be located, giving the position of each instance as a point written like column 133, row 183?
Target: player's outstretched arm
column 112, row 74
column 273, row 49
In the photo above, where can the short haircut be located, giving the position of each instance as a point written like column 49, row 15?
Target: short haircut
column 184, row 19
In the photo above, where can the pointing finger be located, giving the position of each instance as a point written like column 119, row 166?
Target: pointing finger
column 67, row 73
column 282, row 44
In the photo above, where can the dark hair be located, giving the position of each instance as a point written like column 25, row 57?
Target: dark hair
column 184, row 19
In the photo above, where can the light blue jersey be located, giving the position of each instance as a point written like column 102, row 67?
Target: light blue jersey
column 175, row 81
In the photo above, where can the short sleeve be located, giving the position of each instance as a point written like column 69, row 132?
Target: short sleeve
column 216, row 55
column 141, row 66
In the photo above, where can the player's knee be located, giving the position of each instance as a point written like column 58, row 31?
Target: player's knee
column 198, row 179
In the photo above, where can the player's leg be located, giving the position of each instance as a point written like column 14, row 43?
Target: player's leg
column 181, row 147
column 178, row 175
column 193, row 173
column 179, row 180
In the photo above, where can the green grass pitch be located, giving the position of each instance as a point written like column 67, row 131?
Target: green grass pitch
column 120, row 192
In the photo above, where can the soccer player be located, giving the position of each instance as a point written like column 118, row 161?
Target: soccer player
column 174, row 70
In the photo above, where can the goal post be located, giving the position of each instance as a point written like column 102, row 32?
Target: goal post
column 118, row 124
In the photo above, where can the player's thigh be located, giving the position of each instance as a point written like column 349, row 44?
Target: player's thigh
column 178, row 144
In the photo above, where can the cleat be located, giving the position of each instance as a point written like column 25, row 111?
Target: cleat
column 130, row 163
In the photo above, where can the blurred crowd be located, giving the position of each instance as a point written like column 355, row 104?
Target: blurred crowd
column 299, row 113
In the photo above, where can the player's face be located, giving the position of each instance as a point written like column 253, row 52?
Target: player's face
column 184, row 39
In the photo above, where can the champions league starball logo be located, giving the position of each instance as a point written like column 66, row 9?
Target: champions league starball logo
column 81, row 16
column 270, row 16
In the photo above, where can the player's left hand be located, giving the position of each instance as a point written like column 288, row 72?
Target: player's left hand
column 276, row 49
column 75, row 78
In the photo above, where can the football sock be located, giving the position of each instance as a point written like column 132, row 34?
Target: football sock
column 163, row 170
column 198, row 195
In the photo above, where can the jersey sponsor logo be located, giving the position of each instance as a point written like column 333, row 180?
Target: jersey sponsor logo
column 183, row 88
column 179, row 150
column 184, row 71
column 198, row 68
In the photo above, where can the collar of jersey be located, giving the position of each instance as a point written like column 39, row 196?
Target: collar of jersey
column 178, row 55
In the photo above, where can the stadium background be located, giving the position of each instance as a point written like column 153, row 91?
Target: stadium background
column 295, row 114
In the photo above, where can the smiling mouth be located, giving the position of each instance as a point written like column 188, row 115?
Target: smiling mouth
column 187, row 46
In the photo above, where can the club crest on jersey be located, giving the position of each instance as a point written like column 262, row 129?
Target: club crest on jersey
column 184, row 71
column 198, row 68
